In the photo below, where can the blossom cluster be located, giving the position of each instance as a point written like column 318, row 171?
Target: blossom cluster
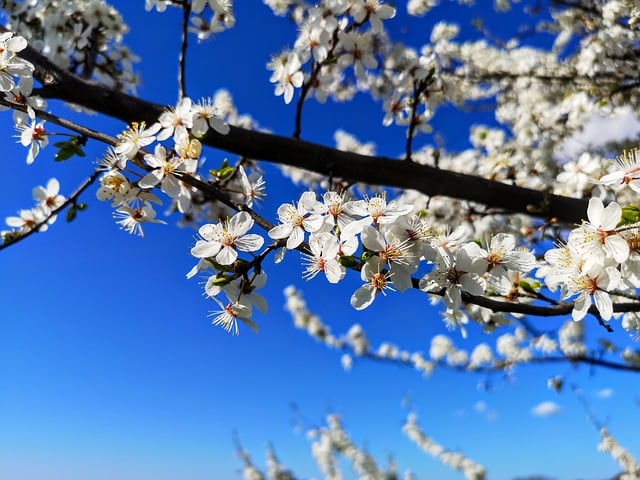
column 342, row 48
column 510, row 348
column 630, row 465
column 395, row 249
column 48, row 199
column 394, row 245
column 82, row 36
column 334, row 439
column 11, row 65
column 600, row 260
column 456, row 460
column 16, row 85
column 328, row 443
column 208, row 17
column 168, row 150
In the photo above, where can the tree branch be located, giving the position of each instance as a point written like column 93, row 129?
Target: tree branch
column 182, row 59
column 73, row 198
column 328, row 161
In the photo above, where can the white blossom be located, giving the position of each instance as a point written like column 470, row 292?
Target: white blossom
column 222, row 240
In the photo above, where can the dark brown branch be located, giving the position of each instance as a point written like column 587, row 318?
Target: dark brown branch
column 84, row 131
column 182, row 59
column 317, row 158
column 539, row 310
column 304, row 91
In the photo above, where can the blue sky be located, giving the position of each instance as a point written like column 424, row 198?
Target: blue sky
column 109, row 367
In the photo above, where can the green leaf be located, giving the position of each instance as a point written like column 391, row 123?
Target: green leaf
column 63, row 154
column 530, row 287
column 330, row 60
column 222, row 173
column 221, row 281
column 69, row 148
column 630, row 215
column 72, row 213
column 225, row 173
column 348, row 261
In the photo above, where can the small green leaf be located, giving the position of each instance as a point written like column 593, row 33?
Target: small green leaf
column 222, row 173
column 221, row 281
column 72, row 213
column 630, row 215
column 69, row 148
column 348, row 261
column 225, row 173
column 330, row 60
column 530, row 287
column 63, row 154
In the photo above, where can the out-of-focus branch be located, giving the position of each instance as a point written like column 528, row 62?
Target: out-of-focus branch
column 317, row 158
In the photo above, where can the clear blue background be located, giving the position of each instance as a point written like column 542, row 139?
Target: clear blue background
column 110, row 369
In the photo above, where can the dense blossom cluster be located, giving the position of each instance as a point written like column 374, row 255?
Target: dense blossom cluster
column 84, row 37
column 395, row 249
column 166, row 166
column 410, row 242
column 342, row 48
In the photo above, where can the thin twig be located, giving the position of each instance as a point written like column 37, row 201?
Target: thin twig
column 304, row 91
column 412, row 124
column 73, row 198
column 182, row 58
column 63, row 122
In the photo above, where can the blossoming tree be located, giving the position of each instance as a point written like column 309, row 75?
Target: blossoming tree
column 498, row 233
